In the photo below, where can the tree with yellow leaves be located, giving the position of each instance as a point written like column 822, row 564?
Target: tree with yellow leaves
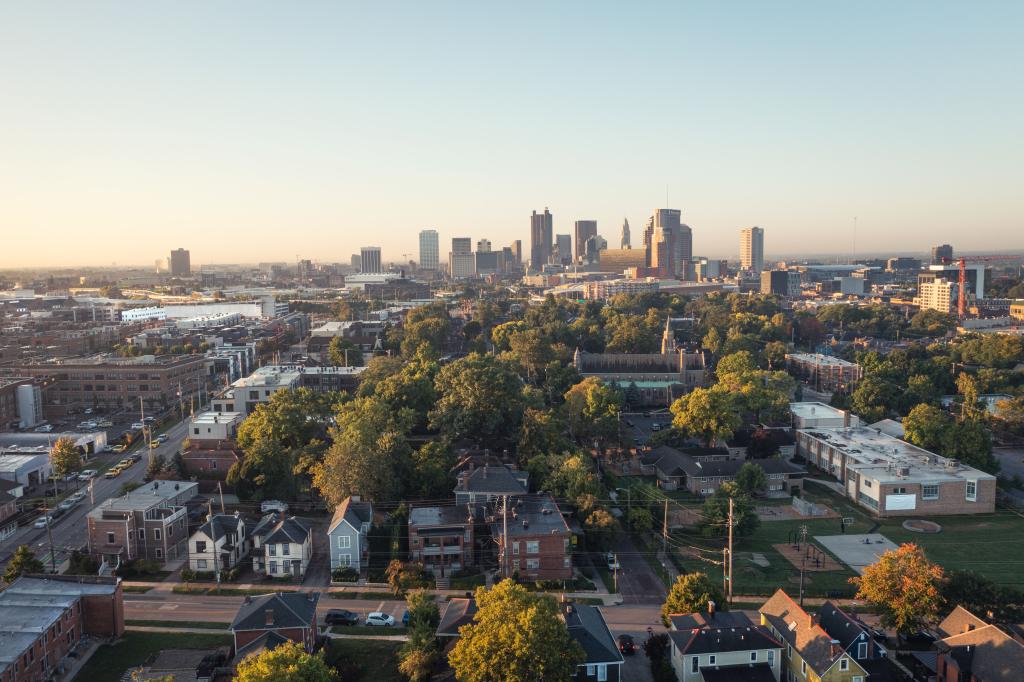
column 903, row 586
column 287, row 662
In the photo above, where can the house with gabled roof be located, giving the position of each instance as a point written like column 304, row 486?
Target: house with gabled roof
column 347, row 534
column 219, row 544
column 478, row 484
column 979, row 654
column 268, row 620
column 853, row 635
column 456, row 613
column 718, row 654
column 282, row 547
column 586, row 625
column 809, row 652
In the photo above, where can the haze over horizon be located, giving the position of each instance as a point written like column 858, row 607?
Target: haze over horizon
column 254, row 132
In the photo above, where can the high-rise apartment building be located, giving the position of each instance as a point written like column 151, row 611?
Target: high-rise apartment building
column 752, row 249
column 624, row 242
column 461, row 263
column 517, row 253
column 563, row 250
column 430, row 252
column 938, row 294
column 180, row 263
column 943, row 253
column 369, row 259
column 585, row 229
column 483, row 245
column 541, row 233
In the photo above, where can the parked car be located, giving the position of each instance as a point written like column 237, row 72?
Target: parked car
column 655, row 427
column 135, row 457
column 153, row 445
column 612, row 561
column 379, row 618
column 274, row 506
column 79, row 496
column 106, row 423
column 138, row 425
column 45, row 428
column 163, row 438
column 626, row 645
column 405, row 619
column 113, row 473
column 67, row 504
column 149, row 420
column 341, row 617
column 126, row 462
column 42, row 521
column 86, row 474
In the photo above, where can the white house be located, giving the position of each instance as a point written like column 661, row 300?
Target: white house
column 347, row 534
column 282, row 547
column 219, row 544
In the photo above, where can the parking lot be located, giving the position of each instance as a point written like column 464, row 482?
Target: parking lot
column 640, row 425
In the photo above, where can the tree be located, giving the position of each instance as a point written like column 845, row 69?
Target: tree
column 82, row 564
column 287, row 662
column 343, row 353
column 751, row 479
column 592, row 411
column 403, row 576
column 640, row 519
column 967, row 386
column 927, row 427
column 540, row 434
column 904, row 588
column 736, row 363
column 420, row 653
column 572, row 477
column 691, row 592
column 65, row 458
column 515, row 636
column 707, row 413
column 716, row 512
column 431, row 470
column 1012, row 413
column 970, row 442
column 369, row 456
column 874, row 398
column 479, row 397
column 600, row 527
column 775, row 353
column 981, row 596
column 155, row 466
column 24, row 561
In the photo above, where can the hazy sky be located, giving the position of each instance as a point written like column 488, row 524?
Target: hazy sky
column 250, row 131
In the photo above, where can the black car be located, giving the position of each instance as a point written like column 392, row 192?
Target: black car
column 626, row 645
column 341, row 617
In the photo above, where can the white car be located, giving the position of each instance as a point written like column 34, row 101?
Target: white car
column 42, row 521
column 78, row 497
column 378, row 618
column 163, row 438
column 613, row 564
column 273, row 506
column 67, row 504
column 137, row 425
column 45, row 428
column 86, row 474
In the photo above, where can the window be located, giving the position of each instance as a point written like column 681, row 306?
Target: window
column 858, row 678
column 753, row 656
column 590, row 669
column 533, row 547
column 862, row 651
column 711, row 659
column 771, row 658
column 844, row 663
column 200, row 563
column 110, row 538
column 200, row 546
column 972, row 491
column 159, row 553
column 273, row 567
column 286, row 549
column 142, row 533
column 344, row 559
column 156, row 533
column 866, row 483
column 803, row 668
column 532, row 564
column 899, row 491
column 695, row 664
column 929, row 492
column 344, row 542
column 567, row 562
column 515, row 548
column 273, row 550
column 602, row 672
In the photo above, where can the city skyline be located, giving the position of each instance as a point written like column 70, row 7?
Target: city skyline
column 296, row 130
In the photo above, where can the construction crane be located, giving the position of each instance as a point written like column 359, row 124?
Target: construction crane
column 961, row 301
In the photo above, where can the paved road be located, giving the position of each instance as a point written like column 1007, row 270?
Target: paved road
column 638, row 583
column 69, row 531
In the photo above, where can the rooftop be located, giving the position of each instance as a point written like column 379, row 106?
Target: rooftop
column 811, row 410
column 151, row 495
column 440, row 516
column 205, row 418
column 819, row 359
column 535, row 515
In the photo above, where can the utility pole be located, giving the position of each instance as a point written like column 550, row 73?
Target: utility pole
column 615, row 573
column 803, row 562
column 725, row 570
column 221, row 492
column 664, row 530
column 504, row 536
column 92, row 498
column 49, row 538
column 729, row 597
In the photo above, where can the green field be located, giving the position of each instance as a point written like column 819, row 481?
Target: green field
column 363, row 660
column 110, row 661
column 191, row 624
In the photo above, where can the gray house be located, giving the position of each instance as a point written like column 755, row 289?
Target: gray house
column 347, row 534
column 486, row 483
column 219, row 544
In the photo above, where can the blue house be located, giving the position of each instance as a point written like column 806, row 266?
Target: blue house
column 347, row 534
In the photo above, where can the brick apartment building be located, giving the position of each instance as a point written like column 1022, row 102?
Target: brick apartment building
column 540, row 541
column 111, row 382
column 441, row 538
column 43, row 618
column 148, row 523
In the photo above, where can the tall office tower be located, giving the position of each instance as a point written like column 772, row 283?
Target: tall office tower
column 541, row 230
column 430, row 253
column 461, row 263
column 585, row 229
column 517, row 253
column 304, row 270
column 752, row 249
column 624, row 244
column 180, row 263
column 665, row 229
column 662, row 251
column 369, row 259
column 356, row 261
column 943, row 253
column 684, row 252
column 483, row 246
column 593, row 248
column 562, row 254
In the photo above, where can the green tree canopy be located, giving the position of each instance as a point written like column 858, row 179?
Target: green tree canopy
column 691, row 593
column 751, row 479
column 24, row 561
column 65, row 457
column 287, row 662
column 591, row 411
column 515, row 636
column 479, row 398
column 716, row 512
column 707, row 413
column 343, row 353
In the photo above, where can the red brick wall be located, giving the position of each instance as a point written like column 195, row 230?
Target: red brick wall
column 41, row 657
column 302, row 635
column 103, row 615
column 551, row 557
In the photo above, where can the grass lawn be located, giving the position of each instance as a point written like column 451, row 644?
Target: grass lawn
column 368, row 629
column 229, row 591
column 363, row 660
column 383, row 596
column 111, row 661
column 139, row 589
column 470, row 582
column 178, row 624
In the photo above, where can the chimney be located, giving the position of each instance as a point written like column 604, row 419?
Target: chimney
column 711, row 609
column 846, row 419
column 835, row 648
column 247, row 600
column 270, row 616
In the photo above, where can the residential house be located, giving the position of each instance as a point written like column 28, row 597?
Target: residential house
column 219, row 544
column 486, row 483
column 853, row 635
column 726, row 654
column 809, row 653
column 211, row 450
column 281, row 547
column 979, row 654
column 347, row 534
column 265, row 621
column 703, row 474
column 43, row 619
column 456, row 613
column 441, row 538
column 586, row 625
column 710, row 618
column 540, row 541
column 150, row 522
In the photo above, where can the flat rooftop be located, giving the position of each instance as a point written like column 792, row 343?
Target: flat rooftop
column 535, row 515
column 820, row 359
column 216, row 418
column 439, row 516
column 882, row 457
column 813, row 410
column 146, row 497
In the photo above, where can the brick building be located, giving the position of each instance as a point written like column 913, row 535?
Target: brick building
column 148, row 523
column 268, row 620
column 43, row 619
column 211, row 450
column 441, row 538
column 539, row 540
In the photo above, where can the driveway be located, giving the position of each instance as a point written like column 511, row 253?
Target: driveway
column 638, row 583
column 318, row 573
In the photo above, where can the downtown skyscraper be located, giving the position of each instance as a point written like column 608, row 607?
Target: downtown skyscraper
column 430, row 250
column 541, row 237
column 752, row 249
column 585, row 229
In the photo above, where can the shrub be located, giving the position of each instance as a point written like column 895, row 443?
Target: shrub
column 345, row 574
column 188, row 575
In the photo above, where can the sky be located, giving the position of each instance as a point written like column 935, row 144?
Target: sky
column 270, row 131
